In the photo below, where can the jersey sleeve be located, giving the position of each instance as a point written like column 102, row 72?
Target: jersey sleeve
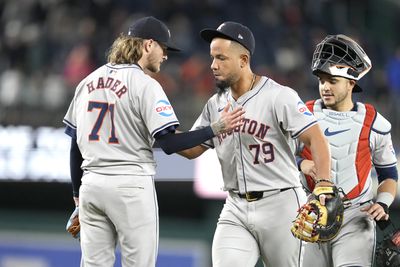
column 383, row 155
column 384, row 158
column 70, row 120
column 292, row 114
column 155, row 108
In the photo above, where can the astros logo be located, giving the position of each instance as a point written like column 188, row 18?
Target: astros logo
column 164, row 108
column 301, row 107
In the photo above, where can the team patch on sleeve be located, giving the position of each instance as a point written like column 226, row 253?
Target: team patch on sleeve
column 164, row 108
column 302, row 108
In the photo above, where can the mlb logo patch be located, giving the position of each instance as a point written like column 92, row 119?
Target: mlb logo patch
column 302, row 108
column 164, row 108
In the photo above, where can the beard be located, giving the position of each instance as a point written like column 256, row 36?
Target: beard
column 222, row 86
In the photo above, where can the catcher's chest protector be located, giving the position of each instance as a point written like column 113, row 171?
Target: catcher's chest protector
column 348, row 136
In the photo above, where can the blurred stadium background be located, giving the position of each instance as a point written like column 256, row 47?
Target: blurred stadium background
column 48, row 46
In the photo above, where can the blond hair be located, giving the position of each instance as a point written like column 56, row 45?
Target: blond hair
column 125, row 50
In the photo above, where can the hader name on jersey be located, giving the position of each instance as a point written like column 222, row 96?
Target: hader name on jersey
column 249, row 126
column 111, row 84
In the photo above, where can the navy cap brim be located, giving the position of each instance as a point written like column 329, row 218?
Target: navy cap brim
column 209, row 34
column 171, row 47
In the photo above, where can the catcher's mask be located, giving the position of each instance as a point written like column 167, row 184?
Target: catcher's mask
column 339, row 55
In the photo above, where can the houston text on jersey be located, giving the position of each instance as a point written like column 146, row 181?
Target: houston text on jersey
column 249, row 126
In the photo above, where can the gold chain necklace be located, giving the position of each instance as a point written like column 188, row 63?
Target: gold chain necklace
column 252, row 82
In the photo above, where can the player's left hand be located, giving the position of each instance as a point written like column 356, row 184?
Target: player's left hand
column 323, row 190
column 73, row 225
column 229, row 120
column 376, row 211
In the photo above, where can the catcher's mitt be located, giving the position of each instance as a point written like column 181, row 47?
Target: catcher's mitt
column 388, row 250
column 318, row 223
column 73, row 226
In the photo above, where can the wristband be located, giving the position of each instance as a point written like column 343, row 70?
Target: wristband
column 385, row 198
column 323, row 180
column 384, row 206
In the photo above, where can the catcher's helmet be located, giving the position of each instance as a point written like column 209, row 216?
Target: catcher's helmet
column 339, row 55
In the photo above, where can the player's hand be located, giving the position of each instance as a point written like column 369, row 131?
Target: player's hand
column 317, row 221
column 229, row 120
column 73, row 225
column 321, row 186
column 376, row 212
column 308, row 168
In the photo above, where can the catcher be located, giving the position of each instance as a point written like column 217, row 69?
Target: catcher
column 359, row 137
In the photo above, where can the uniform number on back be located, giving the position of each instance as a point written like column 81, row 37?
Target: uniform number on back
column 103, row 109
column 264, row 151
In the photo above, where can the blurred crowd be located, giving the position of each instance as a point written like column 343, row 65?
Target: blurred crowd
column 48, row 46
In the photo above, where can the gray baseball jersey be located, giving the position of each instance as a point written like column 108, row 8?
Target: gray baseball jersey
column 259, row 155
column 118, row 105
column 114, row 115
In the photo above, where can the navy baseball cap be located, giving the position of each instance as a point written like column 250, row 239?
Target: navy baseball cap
column 152, row 28
column 233, row 31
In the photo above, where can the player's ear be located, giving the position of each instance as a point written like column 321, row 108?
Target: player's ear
column 244, row 60
column 352, row 84
column 148, row 43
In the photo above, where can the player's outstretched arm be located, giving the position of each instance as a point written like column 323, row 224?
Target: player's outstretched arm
column 193, row 152
column 171, row 142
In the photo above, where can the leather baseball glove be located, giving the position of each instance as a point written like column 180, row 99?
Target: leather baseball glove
column 316, row 222
column 388, row 250
column 73, row 226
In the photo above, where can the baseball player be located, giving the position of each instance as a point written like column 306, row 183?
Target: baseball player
column 358, row 136
column 258, row 158
column 117, row 113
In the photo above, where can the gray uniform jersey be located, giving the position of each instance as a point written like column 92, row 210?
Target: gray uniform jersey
column 115, row 113
column 259, row 155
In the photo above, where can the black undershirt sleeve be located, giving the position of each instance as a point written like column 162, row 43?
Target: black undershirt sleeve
column 171, row 142
column 75, row 162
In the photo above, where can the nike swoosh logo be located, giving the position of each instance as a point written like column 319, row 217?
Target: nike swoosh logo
column 220, row 109
column 328, row 133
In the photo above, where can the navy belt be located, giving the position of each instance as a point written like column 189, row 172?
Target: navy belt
column 257, row 195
